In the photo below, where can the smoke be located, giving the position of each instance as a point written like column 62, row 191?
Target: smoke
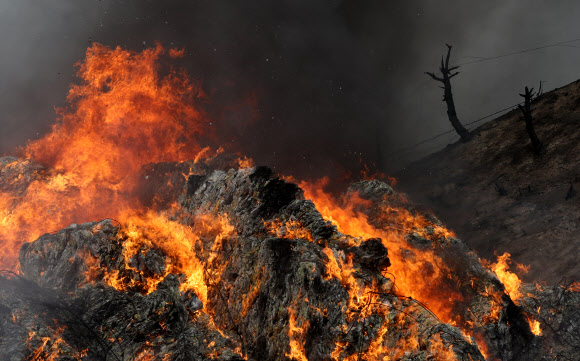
column 40, row 42
column 304, row 86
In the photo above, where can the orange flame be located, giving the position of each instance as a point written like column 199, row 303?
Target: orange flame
column 419, row 274
column 289, row 229
column 535, row 326
column 51, row 348
column 509, row 279
column 423, row 276
column 123, row 114
column 296, row 334
column 512, row 284
column 141, row 233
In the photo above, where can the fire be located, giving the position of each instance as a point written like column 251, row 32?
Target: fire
column 346, row 219
column 423, row 277
column 245, row 162
column 296, row 334
column 512, row 284
column 127, row 111
column 535, row 326
column 509, row 279
column 290, row 229
column 142, row 233
column 145, row 355
column 123, row 114
column 418, row 274
column 52, row 347
column 440, row 350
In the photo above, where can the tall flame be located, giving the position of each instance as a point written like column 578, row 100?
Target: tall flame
column 509, row 279
column 512, row 284
column 126, row 112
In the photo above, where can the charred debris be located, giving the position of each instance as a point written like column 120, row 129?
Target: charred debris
column 275, row 281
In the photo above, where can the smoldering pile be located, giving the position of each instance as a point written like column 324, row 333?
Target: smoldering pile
column 235, row 264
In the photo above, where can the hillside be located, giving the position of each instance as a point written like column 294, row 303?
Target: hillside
column 499, row 197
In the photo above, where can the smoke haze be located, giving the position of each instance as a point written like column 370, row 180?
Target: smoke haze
column 335, row 83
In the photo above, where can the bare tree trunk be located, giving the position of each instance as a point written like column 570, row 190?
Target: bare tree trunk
column 448, row 95
column 527, row 113
column 452, row 114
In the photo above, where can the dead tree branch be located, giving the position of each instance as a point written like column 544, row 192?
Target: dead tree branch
column 526, row 110
column 445, row 78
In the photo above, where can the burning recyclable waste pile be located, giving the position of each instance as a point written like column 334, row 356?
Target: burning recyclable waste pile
column 124, row 238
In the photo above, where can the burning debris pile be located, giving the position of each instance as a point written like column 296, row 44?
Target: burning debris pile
column 193, row 254
column 243, row 266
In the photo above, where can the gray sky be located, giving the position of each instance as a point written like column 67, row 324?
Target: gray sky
column 336, row 81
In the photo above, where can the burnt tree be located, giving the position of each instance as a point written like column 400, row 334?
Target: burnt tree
column 448, row 95
column 526, row 109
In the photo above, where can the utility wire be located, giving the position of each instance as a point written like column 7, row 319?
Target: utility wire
column 492, row 114
column 519, row 52
column 480, row 60
column 570, row 46
column 411, row 147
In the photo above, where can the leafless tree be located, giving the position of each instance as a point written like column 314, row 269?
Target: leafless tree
column 540, row 89
column 527, row 116
column 445, row 78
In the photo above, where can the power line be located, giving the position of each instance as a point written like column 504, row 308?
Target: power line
column 480, row 59
column 411, row 147
column 518, row 52
column 570, row 46
column 404, row 150
column 430, row 147
column 492, row 114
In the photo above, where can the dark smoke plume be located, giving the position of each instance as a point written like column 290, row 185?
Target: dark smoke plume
column 304, row 86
